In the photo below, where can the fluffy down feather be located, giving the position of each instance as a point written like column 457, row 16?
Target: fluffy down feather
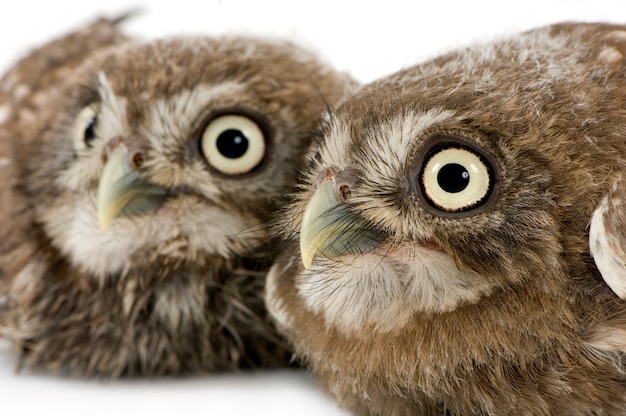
column 161, row 272
column 443, row 223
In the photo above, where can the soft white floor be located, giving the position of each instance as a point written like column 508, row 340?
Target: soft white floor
column 272, row 393
column 369, row 39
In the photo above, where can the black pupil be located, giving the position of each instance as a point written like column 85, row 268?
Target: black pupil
column 232, row 143
column 90, row 130
column 453, row 178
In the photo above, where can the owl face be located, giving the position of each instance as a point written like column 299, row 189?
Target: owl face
column 419, row 212
column 177, row 148
column 442, row 185
column 140, row 179
column 403, row 230
column 437, row 259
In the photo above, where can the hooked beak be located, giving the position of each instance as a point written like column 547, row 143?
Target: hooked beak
column 329, row 228
column 122, row 192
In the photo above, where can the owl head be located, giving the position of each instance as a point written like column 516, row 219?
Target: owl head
column 139, row 178
column 437, row 255
column 182, row 147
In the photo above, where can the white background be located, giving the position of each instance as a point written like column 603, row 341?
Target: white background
column 367, row 39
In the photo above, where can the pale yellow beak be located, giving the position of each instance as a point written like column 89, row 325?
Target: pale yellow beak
column 330, row 229
column 123, row 192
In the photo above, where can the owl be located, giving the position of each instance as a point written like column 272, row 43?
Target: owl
column 138, row 179
column 438, row 258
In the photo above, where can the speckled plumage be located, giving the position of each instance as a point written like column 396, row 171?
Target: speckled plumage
column 172, row 285
column 424, row 302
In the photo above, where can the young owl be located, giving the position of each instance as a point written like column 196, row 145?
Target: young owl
column 437, row 260
column 137, row 182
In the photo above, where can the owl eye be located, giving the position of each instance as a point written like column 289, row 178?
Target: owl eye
column 233, row 144
column 84, row 129
column 455, row 178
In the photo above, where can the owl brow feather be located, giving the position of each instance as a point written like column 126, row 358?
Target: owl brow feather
column 88, row 93
column 105, row 88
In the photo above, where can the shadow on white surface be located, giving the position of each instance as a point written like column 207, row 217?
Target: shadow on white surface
column 287, row 392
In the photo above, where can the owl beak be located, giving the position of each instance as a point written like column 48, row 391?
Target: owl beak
column 122, row 191
column 330, row 229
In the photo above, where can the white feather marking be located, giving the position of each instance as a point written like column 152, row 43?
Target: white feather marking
column 180, row 304
column 392, row 145
column 27, row 279
column 396, row 135
column 609, row 54
column 5, row 113
column 610, row 265
column 608, row 337
column 385, row 288
column 113, row 110
column 178, row 116
column 275, row 305
column 617, row 36
column 21, row 91
column 333, row 152
column 185, row 228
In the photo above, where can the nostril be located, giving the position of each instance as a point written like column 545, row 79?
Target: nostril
column 344, row 191
column 137, row 159
column 345, row 182
column 137, row 151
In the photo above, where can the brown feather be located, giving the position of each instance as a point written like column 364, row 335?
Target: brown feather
column 189, row 298
column 531, row 328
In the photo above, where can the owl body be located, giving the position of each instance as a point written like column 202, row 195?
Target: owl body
column 444, row 263
column 142, row 175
